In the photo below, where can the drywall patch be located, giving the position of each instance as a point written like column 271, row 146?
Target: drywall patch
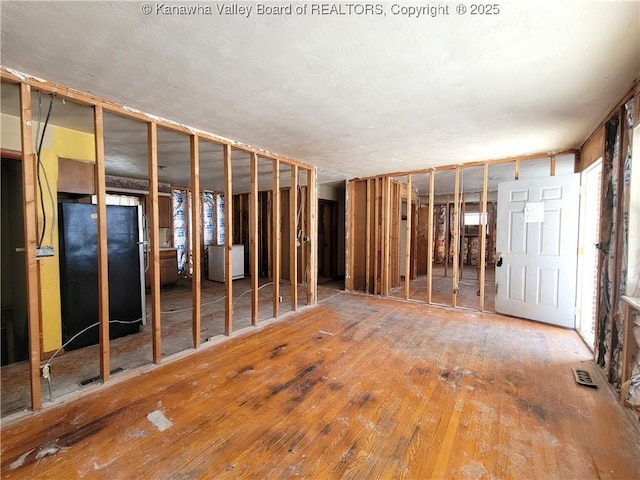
column 158, row 419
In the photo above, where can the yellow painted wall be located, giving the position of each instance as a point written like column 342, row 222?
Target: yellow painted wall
column 59, row 142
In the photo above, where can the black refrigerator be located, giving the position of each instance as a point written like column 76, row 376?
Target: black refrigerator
column 79, row 272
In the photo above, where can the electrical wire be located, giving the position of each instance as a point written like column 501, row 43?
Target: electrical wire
column 247, row 291
column 41, row 168
column 48, row 363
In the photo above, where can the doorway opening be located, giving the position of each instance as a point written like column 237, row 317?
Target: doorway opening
column 588, row 254
column 327, row 240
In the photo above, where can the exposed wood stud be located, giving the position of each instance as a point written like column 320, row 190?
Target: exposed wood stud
column 253, row 238
column 293, row 237
column 30, row 213
column 387, row 238
column 383, row 234
column 407, row 259
column 484, row 216
column 432, row 178
column 187, row 228
column 456, row 238
column 276, row 238
column 447, row 235
column 103, row 261
column 196, row 202
column 228, row 241
column 312, row 202
column 396, row 235
column 154, row 238
column 269, row 234
column 350, row 254
column 304, row 247
column 463, row 236
column 376, row 236
column 367, row 241
column 241, row 209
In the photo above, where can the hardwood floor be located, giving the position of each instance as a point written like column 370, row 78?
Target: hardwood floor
column 360, row 387
column 72, row 368
column 442, row 286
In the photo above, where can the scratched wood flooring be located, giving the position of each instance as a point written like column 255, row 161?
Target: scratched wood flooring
column 360, row 387
column 442, row 286
column 71, row 368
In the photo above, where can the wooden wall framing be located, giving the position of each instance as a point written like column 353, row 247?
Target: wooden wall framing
column 100, row 106
column 30, row 213
column 373, row 228
column 103, row 273
column 154, row 247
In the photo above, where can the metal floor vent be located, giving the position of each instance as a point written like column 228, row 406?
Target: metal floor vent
column 583, row 377
column 91, row 380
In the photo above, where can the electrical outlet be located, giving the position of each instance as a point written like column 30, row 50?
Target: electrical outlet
column 280, row 298
column 44, row 252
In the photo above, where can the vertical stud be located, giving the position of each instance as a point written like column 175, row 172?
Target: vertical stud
column 154, row 238
column 103, row 265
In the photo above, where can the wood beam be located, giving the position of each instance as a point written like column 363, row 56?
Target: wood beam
column 30, row 212
column 103, row 260
column 313, row 236
column 407, row 259
column 447, row 235
column 367, row 241
column 376, row 236
column 484, row 219
column 276, row 238
column 228, row 241
column 154, row 239
column 349, row 255
column 253, row 238
column 386, row 238
column 383, row 230
column 196, row 202
column 394, row 234
column 432, row 178
column 463, row 236
column 269, row 235
column 480, row 163
column 456, row 239
column 304, row 246
column 293, row 237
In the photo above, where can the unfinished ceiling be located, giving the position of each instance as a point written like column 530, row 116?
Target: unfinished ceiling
column 355, row 95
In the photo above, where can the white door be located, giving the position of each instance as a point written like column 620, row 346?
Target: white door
column 537, row 237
